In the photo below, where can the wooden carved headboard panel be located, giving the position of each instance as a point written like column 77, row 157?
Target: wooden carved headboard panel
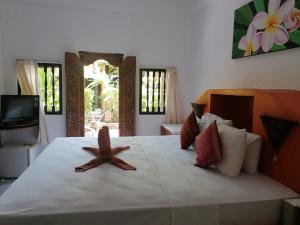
column 244, row 107
column 240, row 108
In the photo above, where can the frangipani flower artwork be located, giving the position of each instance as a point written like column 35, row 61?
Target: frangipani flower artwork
column 264, row 26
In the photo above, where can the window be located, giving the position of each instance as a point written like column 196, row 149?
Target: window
column 152, row 91
column 51, row 86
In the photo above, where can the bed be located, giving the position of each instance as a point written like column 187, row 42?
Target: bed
column 166, row 189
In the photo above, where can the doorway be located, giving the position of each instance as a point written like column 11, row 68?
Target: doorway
column 101, row 98
column 75, row 85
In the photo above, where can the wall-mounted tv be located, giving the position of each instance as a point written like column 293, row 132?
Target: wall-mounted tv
column 19, row 109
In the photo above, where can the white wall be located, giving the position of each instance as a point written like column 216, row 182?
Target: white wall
column 154, row 32
column 169, row 8
column 195, row 36
column 1, row 67
column 212, row 66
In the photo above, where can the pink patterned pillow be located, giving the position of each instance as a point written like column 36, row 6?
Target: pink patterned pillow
column 208, row 147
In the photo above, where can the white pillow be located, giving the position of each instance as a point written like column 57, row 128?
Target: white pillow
column 254, row 143
column 233, row 142
column 202, row 124
column 209, row 118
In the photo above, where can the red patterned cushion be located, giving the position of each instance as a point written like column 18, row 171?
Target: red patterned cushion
column 208, row 147
column 189, row 131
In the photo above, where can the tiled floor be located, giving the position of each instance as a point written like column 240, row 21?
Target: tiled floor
column 4, row 185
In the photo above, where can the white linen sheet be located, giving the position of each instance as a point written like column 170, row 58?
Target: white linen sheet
column 166, row 189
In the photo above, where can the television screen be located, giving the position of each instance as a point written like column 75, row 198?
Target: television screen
column 19, row 108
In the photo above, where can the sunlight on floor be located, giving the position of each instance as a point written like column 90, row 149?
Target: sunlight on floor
column 89, row 132
column 114, row 132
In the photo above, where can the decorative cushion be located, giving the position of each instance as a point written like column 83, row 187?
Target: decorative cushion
column 198, row 109
column 208, row 147
column 189, row 131
column 209, row 118
column 254, row 143
column 233, row 142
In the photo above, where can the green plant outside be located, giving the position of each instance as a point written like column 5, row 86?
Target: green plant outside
column 108, row 98
column 49, row 93
column 153, row 103
column 88, row 100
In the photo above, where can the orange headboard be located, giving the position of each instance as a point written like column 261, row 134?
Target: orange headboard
column 244, row 107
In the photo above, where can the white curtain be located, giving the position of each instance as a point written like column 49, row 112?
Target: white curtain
column 28, row 78
column 172, row 115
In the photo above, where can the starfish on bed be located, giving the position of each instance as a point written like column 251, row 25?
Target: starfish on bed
column 104, row 153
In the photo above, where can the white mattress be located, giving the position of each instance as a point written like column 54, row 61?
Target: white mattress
column 166, row 189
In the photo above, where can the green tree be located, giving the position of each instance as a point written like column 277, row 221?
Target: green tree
column 108, row 93
column 110, row 99
column 88, row 100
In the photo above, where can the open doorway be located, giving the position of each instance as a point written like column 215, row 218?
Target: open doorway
column 74, row 75
column 101, row 98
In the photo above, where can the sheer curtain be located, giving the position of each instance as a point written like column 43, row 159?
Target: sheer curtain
column 172, row 114
column 27, row 75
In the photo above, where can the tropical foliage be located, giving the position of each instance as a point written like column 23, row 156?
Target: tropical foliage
column 88, row 100
column 51, row 102
column 152, row 92
column 102, row 91
column 110, row 99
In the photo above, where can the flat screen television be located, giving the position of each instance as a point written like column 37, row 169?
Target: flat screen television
column 19, row 109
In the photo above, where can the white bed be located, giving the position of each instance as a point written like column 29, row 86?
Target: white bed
column 166, row 189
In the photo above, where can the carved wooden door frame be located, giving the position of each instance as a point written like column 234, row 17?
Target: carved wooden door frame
column 74, row 95
column 74, row 78
column 88, row 58
column 127, row 97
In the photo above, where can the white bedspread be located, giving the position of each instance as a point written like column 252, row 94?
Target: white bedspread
column 166, row 189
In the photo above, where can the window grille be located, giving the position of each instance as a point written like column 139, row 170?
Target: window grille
column 152, row 91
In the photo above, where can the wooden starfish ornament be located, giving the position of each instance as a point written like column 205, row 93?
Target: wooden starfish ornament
column 104, row 154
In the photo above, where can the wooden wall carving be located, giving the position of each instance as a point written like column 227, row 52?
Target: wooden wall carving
column 127, row 96
column 74, row 96
column 225, row 106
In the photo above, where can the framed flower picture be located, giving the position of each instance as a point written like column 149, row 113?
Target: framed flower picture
column 264, row 26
